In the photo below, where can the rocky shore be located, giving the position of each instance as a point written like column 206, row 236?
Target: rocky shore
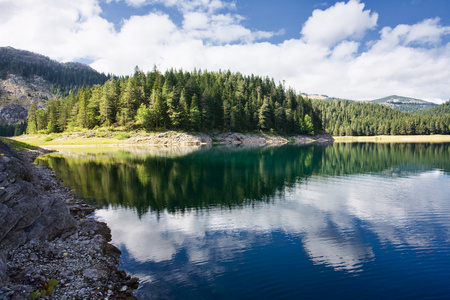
column 48, row 243
column 189, row 139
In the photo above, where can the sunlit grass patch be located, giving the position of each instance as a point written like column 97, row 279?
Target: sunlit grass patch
column 17, row 145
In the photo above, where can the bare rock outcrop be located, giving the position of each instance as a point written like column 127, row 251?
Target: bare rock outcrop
column 169, row 138
column 249, row 139
column 19, row 93
column 26, row 211
column 45, row 235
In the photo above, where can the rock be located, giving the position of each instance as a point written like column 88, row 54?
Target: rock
column 123, row 289
column 19, row 93
column 133, row 282
column 40, row 240
column 13, row 113
column 3, row 268
column 27, row 212
column 96, row 273
column 95, row 227
column 249, row 139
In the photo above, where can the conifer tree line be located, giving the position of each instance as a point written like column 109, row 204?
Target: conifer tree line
column 13, row 129
column 180, row 100
column 351, row 118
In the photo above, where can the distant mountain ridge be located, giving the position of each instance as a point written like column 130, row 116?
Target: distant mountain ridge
column 62, row 76
column 27, row 77
column 404, row 103
column 407, row 104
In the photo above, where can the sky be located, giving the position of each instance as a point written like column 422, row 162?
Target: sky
column 352, row 49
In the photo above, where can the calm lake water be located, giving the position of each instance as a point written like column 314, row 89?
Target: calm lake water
column 347, row 221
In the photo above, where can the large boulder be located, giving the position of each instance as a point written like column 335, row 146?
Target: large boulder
column 27, row 210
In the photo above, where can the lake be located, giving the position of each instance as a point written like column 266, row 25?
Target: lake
column 345, row 221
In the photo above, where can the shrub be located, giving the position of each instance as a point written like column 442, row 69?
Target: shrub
column 122, row 136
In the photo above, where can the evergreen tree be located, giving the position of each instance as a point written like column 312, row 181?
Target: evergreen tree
column 31, row 119
column 264, row 116
column 194, row 115
column 308, row 125
column 83, row 98
column 143, row 117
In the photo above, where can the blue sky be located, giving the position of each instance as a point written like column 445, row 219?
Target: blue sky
column 355, row 49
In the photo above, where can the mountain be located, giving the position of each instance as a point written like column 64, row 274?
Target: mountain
column 404, row 103
column 322, row 97
column 27, row 77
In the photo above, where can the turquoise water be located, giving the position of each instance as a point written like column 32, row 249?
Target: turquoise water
column 347, row 221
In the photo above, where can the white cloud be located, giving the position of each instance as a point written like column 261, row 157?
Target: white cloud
column 220, row 28
column 410, row 60
column 339, row 22
column 185, row 6
column 345, row 51
column 426, row 33
column 60, row 29
column 195, row 21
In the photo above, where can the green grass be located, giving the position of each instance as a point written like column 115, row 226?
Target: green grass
column 44, row 140
column 18, row 146
column 122, row 136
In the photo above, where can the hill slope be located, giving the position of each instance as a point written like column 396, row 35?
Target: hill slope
column 404, row 103
column 27, row 77
column 443, row 109
column 350, row 118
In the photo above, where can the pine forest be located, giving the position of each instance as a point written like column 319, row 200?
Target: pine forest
column 202, row 101
column 178, row 100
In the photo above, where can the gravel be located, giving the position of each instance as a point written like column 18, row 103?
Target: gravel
column 84, row 263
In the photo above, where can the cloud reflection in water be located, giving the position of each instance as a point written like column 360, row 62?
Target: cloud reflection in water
column 330, row 215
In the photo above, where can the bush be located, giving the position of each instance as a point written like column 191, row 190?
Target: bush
column 122, row 136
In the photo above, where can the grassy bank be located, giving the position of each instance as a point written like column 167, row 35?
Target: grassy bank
column 87, row 138
column 18, row 145
column 394, row 139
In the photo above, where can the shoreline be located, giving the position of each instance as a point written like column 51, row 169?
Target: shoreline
column 394, row 139
column 173, row 138
column 168, row 138
column 60, row 241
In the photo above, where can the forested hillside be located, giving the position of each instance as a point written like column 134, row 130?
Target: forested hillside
column 441, row 110
column 63, row 77
column 195, row 101
column 342, row 117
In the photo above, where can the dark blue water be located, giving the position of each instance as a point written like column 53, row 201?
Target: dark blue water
column 359, row 221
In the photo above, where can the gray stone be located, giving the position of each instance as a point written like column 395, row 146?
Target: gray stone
column 3, row 268
column 41, row 240
column 96, row 273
